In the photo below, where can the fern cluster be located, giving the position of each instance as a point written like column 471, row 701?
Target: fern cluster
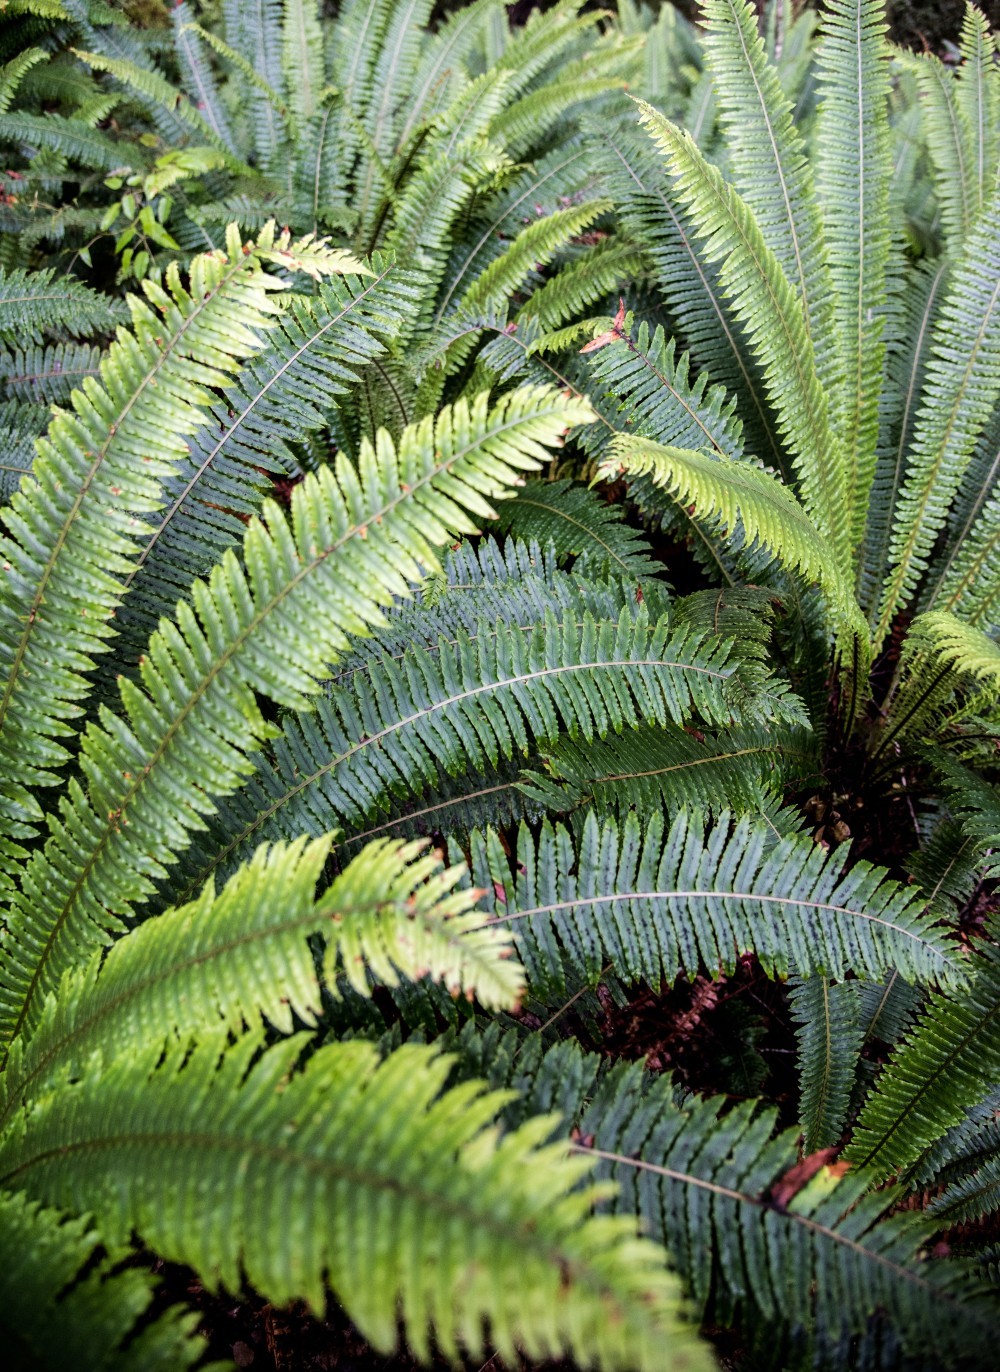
column 482, row 504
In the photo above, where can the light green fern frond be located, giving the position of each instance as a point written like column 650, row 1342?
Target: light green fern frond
column 458, row 1226
column 766, row 303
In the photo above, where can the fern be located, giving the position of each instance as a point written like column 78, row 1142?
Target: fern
column 946, row 1064
column 576, row 522
column 829, row 1036
column 661, row 901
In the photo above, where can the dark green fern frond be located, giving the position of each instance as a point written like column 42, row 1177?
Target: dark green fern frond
column 670, row 768
column 962, row 385
column 829, row 1038
column 396, row 726
column 375, row 1154
column 578, row 524
column 818, row 1262
column 33, row 304
column 47, row 375
column 64, row 1297
column 658, row 902
column 823, row 1257
column 946, row 1064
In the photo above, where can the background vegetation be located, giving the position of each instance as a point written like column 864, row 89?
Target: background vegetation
column 499, row 812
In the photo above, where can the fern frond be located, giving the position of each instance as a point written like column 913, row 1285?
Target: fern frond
column 310, row 360
column 269, row 626
column 70, row 138
column 669, row 768
column 828, row 1262
column 829, row 1038
column 464, row 705
column 249, row 953
column 706, row 1176
column 643, row 195
column 963, row 382
column 62, row 1297
column 909, row 334
column 33, row 304
column 978, row 99
column 660, row 902
column 375, row 1153
column 739, row 492
column 47, row 375
column 302, row 56
column 854, row 169
column 945, row 1065
column 578, row 524
column 72, row 527
column 765, row 302
column 197, row 76
column 767, row 156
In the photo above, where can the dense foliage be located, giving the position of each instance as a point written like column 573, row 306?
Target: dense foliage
column 501, row 531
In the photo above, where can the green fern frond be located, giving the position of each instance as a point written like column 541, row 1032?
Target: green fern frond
column 854, row 169
column 765, row 302
column 578, row 524
column 739, row 492
column 375, row 1154
column 47, row 375
column 963, row 382
column 768, row 157
column 660, row 902
column 250, row 954
column 946, row 1064
column 640, row 185
column 270, row 626
column 302, row 56
column 197, row 76
column 978, row 99
column 72, row 527
column 669, row 768
column 70, row 138
column 63, row 1297
column 33, row 304
column 827, row 1261
column 310, row 361
column 466, row 704
column 818, row 1267
column 829, row 1036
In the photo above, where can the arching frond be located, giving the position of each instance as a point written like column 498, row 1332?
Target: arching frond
column 250, row 953
column 33, row 304
column 464, row 705
column 376, row 1155
column 765, row 302
column 661, row 902
column 270, row 627
column 72, row 527
column 669, row 768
